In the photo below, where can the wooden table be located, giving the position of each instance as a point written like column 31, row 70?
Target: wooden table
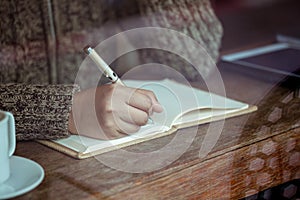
column 254, row 152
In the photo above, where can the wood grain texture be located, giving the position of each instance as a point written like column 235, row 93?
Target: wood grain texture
column 232, row 175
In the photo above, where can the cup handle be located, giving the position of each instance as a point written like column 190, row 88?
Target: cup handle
column 12, row 134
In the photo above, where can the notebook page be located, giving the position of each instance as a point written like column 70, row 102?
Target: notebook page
column 166, row 98
column 179, row 99
column 85, row 144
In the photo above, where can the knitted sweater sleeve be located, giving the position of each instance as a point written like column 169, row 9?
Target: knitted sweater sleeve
column 40, row 111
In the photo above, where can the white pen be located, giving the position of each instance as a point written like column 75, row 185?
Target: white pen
column 101, row 64
column 108, row 72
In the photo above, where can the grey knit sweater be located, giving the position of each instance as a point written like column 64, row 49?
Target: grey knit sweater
column 41, row 49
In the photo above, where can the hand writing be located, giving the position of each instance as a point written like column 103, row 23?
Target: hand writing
column 111, row 111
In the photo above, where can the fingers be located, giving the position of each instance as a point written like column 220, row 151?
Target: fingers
column 149, row 94
column 145, row 100
column 126, row 128
column 117, row 127
column 155, row 107
column 140, row 101
column 134, row 116
column 117, row 109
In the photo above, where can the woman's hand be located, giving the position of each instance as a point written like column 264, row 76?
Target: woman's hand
column 111, row 111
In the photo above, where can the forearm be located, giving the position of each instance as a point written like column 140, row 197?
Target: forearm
column 40, row 111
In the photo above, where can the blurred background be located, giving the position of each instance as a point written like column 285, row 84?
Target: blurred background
column 253, row 22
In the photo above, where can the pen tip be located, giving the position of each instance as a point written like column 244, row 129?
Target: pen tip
column 87, row 49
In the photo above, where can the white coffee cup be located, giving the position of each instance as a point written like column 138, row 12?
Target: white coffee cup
column 7, row 143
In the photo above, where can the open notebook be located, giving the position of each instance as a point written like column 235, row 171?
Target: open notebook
column 184, row 106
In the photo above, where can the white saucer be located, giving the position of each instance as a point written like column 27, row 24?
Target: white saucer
column 25, row 176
